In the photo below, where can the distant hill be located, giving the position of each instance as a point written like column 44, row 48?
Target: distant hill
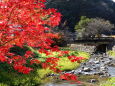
column 73, row 9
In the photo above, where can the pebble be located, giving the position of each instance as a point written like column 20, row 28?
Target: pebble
column 86, row 69
column 93, row 80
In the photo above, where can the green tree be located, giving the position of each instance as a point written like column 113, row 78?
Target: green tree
column 82, row 23
column 80, row 26
column 97, row 27
column 93, row 27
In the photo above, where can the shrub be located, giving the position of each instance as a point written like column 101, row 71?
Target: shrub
column 14, row 79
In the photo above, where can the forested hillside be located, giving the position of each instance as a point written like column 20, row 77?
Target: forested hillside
column 72, row 10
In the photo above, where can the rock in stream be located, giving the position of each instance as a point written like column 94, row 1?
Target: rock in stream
column 98, row 64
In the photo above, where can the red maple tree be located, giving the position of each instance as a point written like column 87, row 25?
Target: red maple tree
column 25, row 22
column 29, row 23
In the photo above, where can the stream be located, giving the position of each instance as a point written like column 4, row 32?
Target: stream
column 100, row 65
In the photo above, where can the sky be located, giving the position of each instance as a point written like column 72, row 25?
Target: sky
column 114, row 0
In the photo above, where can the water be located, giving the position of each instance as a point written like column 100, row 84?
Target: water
column 111, row 71
column 61, row 84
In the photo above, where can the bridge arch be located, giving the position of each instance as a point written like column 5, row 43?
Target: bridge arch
column 101, row 48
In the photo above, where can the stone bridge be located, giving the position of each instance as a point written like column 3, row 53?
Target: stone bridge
column 97, row 44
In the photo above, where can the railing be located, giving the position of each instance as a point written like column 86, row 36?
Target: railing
column 96, row 39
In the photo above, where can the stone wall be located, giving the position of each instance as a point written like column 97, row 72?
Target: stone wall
column 82, row 47
column 91, row 48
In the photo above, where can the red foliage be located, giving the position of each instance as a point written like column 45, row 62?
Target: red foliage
column 24, row 22
column 62, row 53
column 75, row 58
column 34, row 61
column 51, row 63
column 69, row 76
column 22, row 69
column 28, row 22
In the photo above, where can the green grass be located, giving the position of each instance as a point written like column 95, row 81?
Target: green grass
column 111, row 53
column 66, row 64
column 2, row 84
column 109, row 82
column 80, row 54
